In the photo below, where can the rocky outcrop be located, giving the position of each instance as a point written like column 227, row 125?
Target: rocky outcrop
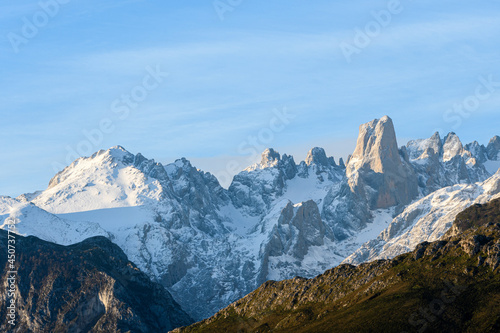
column 269, row 158
column 318, row 156
column 476, row 216
column 346, row 211
column 299, row 227
column 493, row 148
column 321, row 166
column 477, row 151
column 452, row 147
column 445, row 162
column 198, row 194
column 376, row 170
column 424, row 148
column 87, row 287
column 256, row 187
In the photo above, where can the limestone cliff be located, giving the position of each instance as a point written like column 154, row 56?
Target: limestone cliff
column 376, row 171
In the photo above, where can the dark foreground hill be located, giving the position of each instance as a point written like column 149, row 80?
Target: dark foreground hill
column 87, row 287
column 452, row 285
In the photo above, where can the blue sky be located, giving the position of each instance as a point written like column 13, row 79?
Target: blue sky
column 232, row 67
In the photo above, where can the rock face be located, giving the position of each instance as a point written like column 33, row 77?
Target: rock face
column 298, row 228
column 88, row 286
column 323, row 167
column 447, row 275
column 318, row 156
column 376, row 170
column 259, row 185
column 477, row 151
column 493, row 148
column 452, row 147
column 425, row 148
column 270, row 158
column 439, row 163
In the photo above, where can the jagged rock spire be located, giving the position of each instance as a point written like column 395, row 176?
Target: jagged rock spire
column 452, row 147
column 376, row 171
column 318, row 156
column 270, row 158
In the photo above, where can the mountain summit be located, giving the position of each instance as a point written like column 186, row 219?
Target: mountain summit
column 376, row 170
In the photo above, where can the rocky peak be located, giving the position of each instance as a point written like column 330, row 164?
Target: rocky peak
column 376, row 170
column 435, row 142
column 299, row 227
column 200, row 190
column 118, row 153
column 317, row 163
column 262, row 182
column 376, row 147
column 452, row 147
column 112, row 156
column 318, row 156
column 341, row 163
column 493, row 148
column 270, row 158
column 288, row 166
column 149, row 167
column 306, row 219
column 421, row 149
column 180, row 167
column 477, row 151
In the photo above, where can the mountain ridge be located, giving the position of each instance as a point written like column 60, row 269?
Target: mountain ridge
column 203, row 242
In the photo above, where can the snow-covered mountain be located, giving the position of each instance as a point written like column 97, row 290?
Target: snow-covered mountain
column 210, row 246
column 426, row 220
column 445, row 162
column 429, row 218
column 440, row 164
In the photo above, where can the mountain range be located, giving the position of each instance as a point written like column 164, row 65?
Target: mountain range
column 450, row 285
column 209, row 246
